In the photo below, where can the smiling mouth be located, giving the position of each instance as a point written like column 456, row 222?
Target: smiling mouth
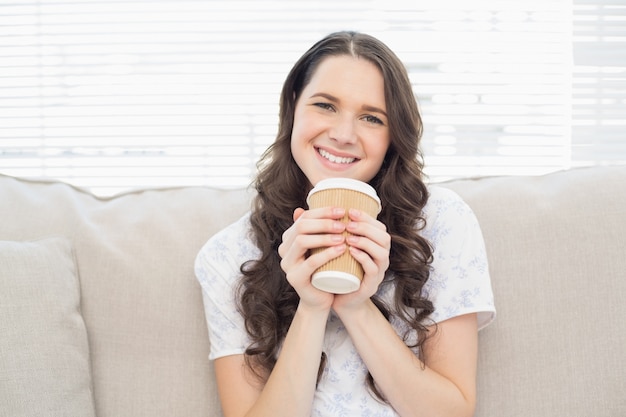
column 335, row 159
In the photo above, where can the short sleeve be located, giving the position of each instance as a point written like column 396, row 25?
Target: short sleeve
column 459, row 282
column 217, row 268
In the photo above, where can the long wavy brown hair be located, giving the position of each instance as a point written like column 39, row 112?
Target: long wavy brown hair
column 267, row 301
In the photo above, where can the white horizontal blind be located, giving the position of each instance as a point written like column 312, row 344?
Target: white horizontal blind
column 599, row 87
column 114, row 95
column 493, row 78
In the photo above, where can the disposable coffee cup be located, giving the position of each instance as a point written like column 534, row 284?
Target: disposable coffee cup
column 343, row 274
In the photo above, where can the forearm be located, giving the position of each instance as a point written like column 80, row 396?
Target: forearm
column 290, row 387
column 412, row 388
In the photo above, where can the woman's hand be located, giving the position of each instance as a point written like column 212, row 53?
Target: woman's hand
column 312, row 229
column 369, row 244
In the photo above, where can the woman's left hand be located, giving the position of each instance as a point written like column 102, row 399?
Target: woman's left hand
column 369, row 244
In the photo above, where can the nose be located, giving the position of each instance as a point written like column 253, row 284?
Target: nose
column 343, row 130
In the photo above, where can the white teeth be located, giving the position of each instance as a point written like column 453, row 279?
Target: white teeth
column 335, row 159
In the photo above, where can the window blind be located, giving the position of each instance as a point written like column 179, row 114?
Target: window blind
column 599, row 82
column 113, row 95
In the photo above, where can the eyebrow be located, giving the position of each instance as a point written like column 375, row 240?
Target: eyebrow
column 335, row 100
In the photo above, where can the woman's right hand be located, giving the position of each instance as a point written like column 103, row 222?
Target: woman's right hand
column 290, row 387
column 312, row 229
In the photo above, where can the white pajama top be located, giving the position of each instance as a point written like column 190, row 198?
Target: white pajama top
column 459, row 284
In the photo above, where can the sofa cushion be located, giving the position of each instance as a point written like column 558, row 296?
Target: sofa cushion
column 556, row 246
column 141, row 302
column 556, row 252
column 44, row 356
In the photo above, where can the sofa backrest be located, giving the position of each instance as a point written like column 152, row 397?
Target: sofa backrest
column 140, row 300
column 556, row 246
column 557, row 252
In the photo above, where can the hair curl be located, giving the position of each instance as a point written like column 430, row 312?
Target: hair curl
column 267, row 301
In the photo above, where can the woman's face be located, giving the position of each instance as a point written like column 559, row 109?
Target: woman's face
column 340, row 122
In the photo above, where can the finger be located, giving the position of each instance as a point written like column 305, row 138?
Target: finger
column 307, row 226
column 370, row 241
column 300, row 274
column 297, row 213
column 320, row 258
column 306, row 235
column 374, row 273
column 325, row 213
column 378, row 248
column 374, row 260
column 317, row 228
column 296, row 250
column 373, row 231
column 305, row 222
column 361, row 216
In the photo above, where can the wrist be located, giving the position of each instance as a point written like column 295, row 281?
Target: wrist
column 312, row 310
column 356, row 312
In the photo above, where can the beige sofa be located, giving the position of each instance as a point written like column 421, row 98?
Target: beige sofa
column 100, row 312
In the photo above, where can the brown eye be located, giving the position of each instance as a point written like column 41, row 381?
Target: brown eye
column 373, row 119
column 325, row 106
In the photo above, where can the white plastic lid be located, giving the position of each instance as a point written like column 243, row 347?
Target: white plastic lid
column 346, row 183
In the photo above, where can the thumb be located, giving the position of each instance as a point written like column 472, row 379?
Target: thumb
column 297, row 213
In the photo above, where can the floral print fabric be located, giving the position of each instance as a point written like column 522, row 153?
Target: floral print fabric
column 459, row 284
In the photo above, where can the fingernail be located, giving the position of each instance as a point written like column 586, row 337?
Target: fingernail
column 340, row 248
column 338, row 226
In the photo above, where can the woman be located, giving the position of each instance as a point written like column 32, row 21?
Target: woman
column 404, row 343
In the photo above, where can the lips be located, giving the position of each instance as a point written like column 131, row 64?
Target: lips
column 334, row 158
